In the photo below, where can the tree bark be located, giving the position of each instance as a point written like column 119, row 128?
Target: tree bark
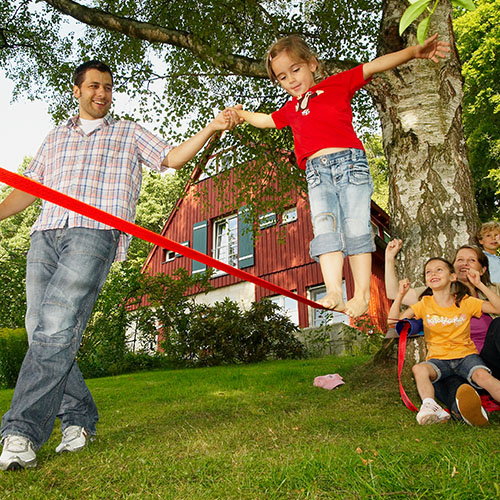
column 431, row 195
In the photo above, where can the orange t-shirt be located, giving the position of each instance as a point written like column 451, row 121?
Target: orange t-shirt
column 447, row 329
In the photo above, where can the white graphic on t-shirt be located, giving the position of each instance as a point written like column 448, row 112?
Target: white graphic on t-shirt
column 303, row 101
column 434, row 319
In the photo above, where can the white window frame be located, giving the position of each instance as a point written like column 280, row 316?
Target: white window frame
column 283, row 302
column 317, row 292
column 168, row 256
column 230, row 256
column 289, row 215
column 267, row 220
column 184, row 244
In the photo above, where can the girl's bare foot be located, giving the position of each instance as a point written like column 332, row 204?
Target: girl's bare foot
column 357, row 306
column 332, row 300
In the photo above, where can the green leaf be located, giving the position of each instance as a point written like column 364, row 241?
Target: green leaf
column 465, row 4
column 411, row 14
column 422, row 29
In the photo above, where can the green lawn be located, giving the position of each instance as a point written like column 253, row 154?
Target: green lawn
column 263, row 432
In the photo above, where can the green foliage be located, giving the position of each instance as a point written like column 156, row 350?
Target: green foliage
column 363, row 338
column 14, row 245
column 104, row 347
column 161, row 77
column 478, row 44
column 418, row 7
column 379, row 169
column 220, row 334
column 13, row 347
column 159, row 193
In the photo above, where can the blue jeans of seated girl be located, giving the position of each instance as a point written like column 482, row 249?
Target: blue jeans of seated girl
column 65, row 271
column 340, row 189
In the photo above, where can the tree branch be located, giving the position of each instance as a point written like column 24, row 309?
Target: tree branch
column 237, row 64
column 240, row 65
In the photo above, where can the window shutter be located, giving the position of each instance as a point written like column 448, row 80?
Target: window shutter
column 200, row 230
column 245, row 241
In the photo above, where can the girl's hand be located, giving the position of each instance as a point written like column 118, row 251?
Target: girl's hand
column 404, row 286
column 432, row 49
column 474, row 277
column 393, row 247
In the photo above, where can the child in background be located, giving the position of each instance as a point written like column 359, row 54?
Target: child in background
column 488, row 237
column 446, row 311
column 339, row 181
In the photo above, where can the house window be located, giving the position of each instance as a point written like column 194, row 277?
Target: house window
column 184, row 244
column 289, row 215
column 168, row 255
column 267, row 220
column 217, row 163
column 323, row 316
column 288, row 306
column 225, row 246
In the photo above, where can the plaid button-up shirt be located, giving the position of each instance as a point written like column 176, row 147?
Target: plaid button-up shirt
column 102, row 169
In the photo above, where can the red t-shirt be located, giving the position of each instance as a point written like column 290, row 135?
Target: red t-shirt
column 322, row 117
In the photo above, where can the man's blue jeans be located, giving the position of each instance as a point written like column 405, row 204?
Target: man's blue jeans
column 65, row 271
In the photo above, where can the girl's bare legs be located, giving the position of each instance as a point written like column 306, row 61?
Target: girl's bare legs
column 331, row 267
column 361, row 267
column 424, row 374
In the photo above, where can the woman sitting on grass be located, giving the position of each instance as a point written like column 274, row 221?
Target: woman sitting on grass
column 446, row 310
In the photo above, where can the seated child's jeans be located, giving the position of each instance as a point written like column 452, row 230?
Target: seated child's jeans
column 465, row 367
column 340, row 189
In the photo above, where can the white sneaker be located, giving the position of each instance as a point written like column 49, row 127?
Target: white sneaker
column 74, row 439
column 469, row 406
column 17, row 453
column 431, row 413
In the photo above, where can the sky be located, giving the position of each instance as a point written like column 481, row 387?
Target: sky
column 23, row 126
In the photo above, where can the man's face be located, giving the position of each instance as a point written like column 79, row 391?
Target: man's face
column 94, row 94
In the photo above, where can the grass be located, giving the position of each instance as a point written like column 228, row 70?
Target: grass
column 263, row 432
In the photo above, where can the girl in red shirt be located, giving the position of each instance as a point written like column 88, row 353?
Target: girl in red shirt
column 339, row 181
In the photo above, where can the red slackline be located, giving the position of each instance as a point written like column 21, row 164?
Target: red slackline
column 401, row 359
column 40, row 191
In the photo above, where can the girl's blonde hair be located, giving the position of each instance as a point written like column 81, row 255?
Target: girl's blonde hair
column 294, row 45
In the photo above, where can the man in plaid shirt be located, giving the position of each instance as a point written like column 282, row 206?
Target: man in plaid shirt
column 97, row 160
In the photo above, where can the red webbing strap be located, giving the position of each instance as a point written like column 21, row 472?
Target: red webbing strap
column 401, row 360
column 40, row 191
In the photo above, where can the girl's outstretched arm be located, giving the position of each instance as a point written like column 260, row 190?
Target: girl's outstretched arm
column 432, row 49
column 394, row 311
column 259, row 120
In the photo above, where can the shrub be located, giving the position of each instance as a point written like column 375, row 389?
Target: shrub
column 363, row 338
column 13, row 347
column 203, row 335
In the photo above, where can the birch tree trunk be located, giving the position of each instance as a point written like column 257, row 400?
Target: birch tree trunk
column 431, row 193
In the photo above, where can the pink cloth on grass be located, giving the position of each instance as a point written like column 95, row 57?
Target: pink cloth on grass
column 329, row 381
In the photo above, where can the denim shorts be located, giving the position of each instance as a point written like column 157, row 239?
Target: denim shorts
column 340, row 188
column 465, row 367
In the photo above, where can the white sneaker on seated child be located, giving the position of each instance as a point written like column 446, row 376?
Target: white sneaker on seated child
column 431, row 413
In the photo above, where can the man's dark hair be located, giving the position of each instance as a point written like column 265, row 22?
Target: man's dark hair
column 79, row 74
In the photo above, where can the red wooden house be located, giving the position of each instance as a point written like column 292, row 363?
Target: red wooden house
column 288, row 264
